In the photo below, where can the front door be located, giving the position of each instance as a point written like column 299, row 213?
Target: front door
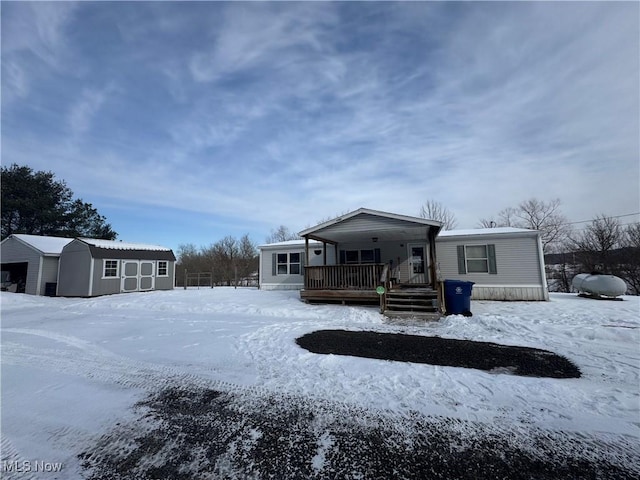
column 417, row 263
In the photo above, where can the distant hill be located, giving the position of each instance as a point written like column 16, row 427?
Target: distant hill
column 574, row 257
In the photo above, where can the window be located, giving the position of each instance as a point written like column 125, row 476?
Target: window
column 110, row 269
column 283, row 264
column 477, row 259
column 287, row 263
column 371, row 255
column 352, row 256
column 294, row 263
column 163, row 268
column 367, row 256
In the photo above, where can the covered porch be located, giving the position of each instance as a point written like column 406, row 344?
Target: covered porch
column 373, row 249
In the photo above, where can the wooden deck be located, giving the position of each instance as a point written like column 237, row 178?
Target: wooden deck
column 343, row 277
column 346, row 296
column 356, row 284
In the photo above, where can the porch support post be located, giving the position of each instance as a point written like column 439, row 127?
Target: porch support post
column 434, row 259
column 324, row 253
column 306, row 250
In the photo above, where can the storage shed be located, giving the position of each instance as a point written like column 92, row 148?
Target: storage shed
column 91, row 267
column 30, row 263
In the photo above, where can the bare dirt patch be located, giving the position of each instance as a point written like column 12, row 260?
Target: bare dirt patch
column 492, row 357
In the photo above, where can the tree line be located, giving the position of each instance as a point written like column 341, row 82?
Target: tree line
column 230, row 261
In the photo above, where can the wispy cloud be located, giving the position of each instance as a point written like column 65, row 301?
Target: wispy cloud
column 260, row 114
column 85, row 108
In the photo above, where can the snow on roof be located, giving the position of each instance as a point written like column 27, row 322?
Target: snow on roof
column 117, row 245
column 289, row 243
column 47, row 245
column 484, row 231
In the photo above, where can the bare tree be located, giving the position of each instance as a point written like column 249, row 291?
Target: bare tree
column 596, row 244
column 281, row 234
column 545, row 217
column 247, row 257
column 189, row 259
column 561, row 270
column 433, row 210
column 536, row 215
column 630, row 258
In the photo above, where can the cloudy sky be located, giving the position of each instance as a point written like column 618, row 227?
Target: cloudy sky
column 186, row 122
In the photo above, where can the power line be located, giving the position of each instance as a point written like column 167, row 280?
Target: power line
column 613, row 216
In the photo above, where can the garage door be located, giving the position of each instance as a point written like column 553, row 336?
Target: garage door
column 137, row 275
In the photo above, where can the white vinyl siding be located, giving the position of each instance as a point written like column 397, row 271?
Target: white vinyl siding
column 516, row 259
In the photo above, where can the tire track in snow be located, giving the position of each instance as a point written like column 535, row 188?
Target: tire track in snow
column 11, row 456
column 99, row 364
column 96, row 363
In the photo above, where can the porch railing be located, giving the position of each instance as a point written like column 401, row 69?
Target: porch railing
column 343, row 277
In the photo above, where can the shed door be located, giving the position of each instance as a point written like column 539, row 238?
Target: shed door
column 147, row 275
column 138, row 275
column 129, row 282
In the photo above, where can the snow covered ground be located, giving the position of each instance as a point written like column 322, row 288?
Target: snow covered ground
column 72, row 369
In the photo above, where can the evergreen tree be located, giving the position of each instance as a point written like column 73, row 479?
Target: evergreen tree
column 36, row 203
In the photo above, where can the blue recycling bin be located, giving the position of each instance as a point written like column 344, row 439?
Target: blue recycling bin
column 457, row 297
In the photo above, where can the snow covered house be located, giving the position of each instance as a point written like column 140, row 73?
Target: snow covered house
column 347, row 258
column 83, row 267
column 30, row 263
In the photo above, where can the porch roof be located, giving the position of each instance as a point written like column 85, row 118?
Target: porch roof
column 369, row 224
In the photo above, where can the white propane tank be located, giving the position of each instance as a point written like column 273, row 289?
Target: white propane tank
column 599, row 284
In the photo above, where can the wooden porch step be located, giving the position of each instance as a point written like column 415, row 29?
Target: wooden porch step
column 412, row 309
column 427, row 316
column 411, row 292
column 412, row 301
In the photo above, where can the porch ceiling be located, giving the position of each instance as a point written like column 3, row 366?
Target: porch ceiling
column 381, row 234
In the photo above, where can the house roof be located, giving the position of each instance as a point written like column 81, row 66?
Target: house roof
column 367, row 223
column 486, row 231
column 289, row 243
column 49, row 246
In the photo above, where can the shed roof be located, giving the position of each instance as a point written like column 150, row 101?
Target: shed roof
column 50, row 246
column 124, row 250
column 117, row 245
